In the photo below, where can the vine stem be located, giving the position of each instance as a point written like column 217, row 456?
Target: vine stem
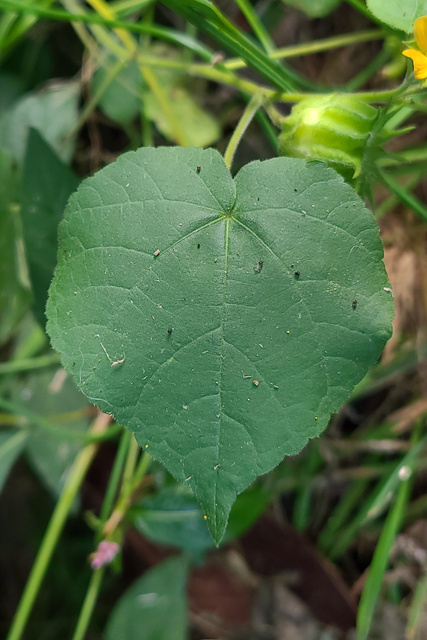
column 247, row 117
column 54, row 529
column 88, row 604
column 133, row 472
column 128, row 489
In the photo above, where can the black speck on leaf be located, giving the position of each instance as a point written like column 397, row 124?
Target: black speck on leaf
column 297, row 273
column 170, row 331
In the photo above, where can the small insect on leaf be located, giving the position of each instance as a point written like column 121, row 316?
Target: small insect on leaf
column 170, row 331
column 354, row 304
column 258, row 267
column 297, row 273
column 156, row 253
column 199, row 168
column 255, row 382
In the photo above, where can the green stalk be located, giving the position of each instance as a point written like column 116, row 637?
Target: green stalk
column 257, row 27
column 379, row 562
column 308, row 48
column 54, row 529
column 405, row 196
column 371, row 69
column 131, row 479
column 247, row 117
column 114, row 479
column 162, row 33
column 207, row 17
column 29, row 364
column 93, row 102
column 129, row 486
column 88, row 604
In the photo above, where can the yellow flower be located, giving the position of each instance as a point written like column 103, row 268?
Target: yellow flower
column 419, row 57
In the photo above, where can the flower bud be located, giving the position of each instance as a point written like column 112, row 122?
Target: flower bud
column 333, row 128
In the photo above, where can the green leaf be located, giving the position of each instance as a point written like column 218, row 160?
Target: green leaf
column 314, row 8
column 207, row 17
column 121, row 98
column 53, row 112
column 47, row 184
column 13, row 292
column 11, row 445
column 173, row 517
column 397, row 14
column 154, row 607
column 274, row 277
column 55, row 398
column 198, row 127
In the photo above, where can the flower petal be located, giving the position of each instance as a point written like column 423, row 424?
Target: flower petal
column 420, row 63
column 420, row 33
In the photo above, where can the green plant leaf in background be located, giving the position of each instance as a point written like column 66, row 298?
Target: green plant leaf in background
column 120, row 98
column 198, row 127
column 398, row 14
column 53, row 112
column 11, row 445
column 221, row 320
column 314, row 8
column 174, row 518
column 14, row 294
column 154, row 607
column 56, row 400
column 127, row 94
column 47, row 184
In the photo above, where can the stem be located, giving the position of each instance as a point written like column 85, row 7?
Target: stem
column 29, row 364
column 405, row 196
column 307, row 48
column 257, row 27
column 54, row 529
column 130, row 465
column 371, row 69
column 162, row 33
column 114, row 480
column 88, row 604
column 247, row 117
column 128, row 488
column 92, row 103
column 131, row 480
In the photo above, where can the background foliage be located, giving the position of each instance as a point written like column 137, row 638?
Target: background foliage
column 79, row 85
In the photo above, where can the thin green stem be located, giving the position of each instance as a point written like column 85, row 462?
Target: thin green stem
column 132, row 457
column 162, row 33
column 53, row 531
column 31, row 418
column 88, row 604
column 317, row 46
column 367, row 72
column 247, row 117
column 93, row 102
column 129, row 486
column 141, row 470
column 114, row 479
column 257, row 27
column 29, row 364
column 405, row 196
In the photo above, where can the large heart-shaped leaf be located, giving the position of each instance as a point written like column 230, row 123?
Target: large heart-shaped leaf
column 220, row 320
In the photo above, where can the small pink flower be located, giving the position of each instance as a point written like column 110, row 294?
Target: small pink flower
column 105, row 554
